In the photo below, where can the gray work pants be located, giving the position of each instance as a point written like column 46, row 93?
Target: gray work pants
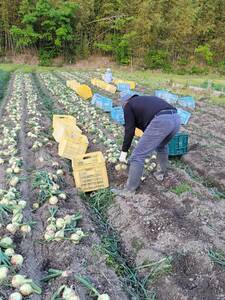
column 156, row 138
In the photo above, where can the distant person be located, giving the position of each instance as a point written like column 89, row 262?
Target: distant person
column 160, row 122
column 107, row 77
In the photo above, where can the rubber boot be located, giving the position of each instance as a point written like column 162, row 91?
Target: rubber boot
column 133, row 181
column 162, row 158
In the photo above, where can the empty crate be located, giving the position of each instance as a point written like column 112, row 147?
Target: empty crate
column 184, row 115
column 90, row 172
column 70, row 147
column 123, row 87
column 187, row 101
column 102, row 102
column 179, row 144
column 117, row 114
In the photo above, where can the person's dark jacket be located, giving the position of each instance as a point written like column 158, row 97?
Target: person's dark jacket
column 139, row 112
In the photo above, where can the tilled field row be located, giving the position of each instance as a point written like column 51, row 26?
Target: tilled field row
column 45, row 228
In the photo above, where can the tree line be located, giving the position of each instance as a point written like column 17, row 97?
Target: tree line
column 150, row 33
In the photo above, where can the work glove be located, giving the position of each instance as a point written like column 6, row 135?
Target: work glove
column 123, row 157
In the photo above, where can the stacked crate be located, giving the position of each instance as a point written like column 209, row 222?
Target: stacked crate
column 89, row 169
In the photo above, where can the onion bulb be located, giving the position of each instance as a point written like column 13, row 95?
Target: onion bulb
column 49, row 235
column 25, row 228
column 6, row 241
column 62, row 196
column 60, row 223
column 12, row 228
column 53, row 200
column 3, row 273
column 69, row 294
column 103, row 297
column 14, row 181
column 35, row 205
column 19, row 280
column 17, row 260
column 59, row 172
column 15, row 296
column 9, row 252
column 26, row 289
column 59, row 235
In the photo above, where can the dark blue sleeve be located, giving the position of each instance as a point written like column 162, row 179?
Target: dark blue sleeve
column 129, row 127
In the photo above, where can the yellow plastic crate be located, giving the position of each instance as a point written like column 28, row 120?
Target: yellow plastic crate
column 63, row 119
column 90, row 172
column 84, row 92
column 131, row 83
column 103, row 85
column 71, row 147
column 73, row 84
column 138, row 132
column 64, row 130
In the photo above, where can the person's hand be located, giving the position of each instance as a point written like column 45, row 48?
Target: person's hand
column 123, row 157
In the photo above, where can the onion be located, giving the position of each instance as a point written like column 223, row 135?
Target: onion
column 35, row 205
column 62, row 196
column 17, row 260
column 1, row 161
column 19, row 280
column 60, row 223
column 15, row 296
column 69, row 294
column 53, row 200
column 153, row 165
column 9, row 252
column 12, row 228
column 3, row 273
column 59, row 235
column 51, row 227
column 59, row 172
column 6, row 241
column 22, row 203
column 16, row 170
column 25, row 228
column 75, row 238
column 118, row 167
column 103, row 297
column 26, row 289
column 49, row 235
column 14, row 181
column 68, row 219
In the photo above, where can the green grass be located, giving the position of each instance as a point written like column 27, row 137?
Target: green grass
column 158, row 268
column 4, row 78
column 181, row 188
column 217, row 257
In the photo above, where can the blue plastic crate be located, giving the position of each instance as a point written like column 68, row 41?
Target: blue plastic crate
column 184, row 115
column 102, row 102
column 130, row 93
column 117, row 114
column 94, row 98
column 171, row 98
column 167, row 96
column 179, row 144
column 161, row 93
column 123, row 87
column 187, row 101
